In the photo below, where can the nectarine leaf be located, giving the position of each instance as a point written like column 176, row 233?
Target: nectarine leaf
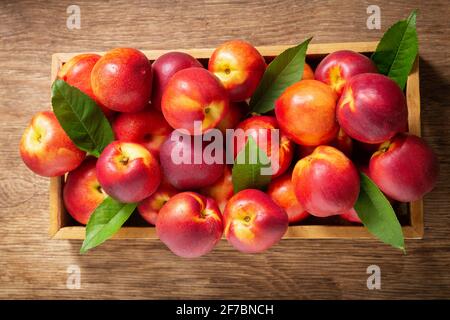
column 81, row 118
column 285, row 70
column 105, row 221
column 397, row 50
column 249, row 166
column 377, row 214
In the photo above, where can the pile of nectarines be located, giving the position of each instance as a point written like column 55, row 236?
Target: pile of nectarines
column 326, row 118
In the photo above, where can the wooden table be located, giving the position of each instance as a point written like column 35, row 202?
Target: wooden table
column 32, row 266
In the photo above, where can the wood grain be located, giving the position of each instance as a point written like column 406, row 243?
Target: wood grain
column 32, row 266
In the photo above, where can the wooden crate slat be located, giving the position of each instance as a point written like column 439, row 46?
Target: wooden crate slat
column 59, row 217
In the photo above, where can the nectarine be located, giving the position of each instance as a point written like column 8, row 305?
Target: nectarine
column 326, row 182
column 77, row 72
column 337, row 68
column 282, row 193
column 128, row 172
column 253, row 221
column 260, row 129
column 221, row 190
column 308, row 73
column 147, row 127
column 239, row 66
column 404, row 168
column 189, row 224
column 46, row 149
column 191, row 95
column 372, row 108
column 149, row 207
column 164, row 68
column 186, row 173
column 306, row 111
column 122, row 80
column 82, row 192
column 235, row 114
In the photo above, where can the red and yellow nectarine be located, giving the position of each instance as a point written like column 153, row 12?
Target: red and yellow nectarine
column 122, row 80
column 253, row 221
column 221, row 190
column 372, row 108
column 164, row 68
column 149, row 207
column 326, row 182
column 189, row 224
column 308, row 73
column 306, row 111
column 191, row 95
column 260, row 129
column 46, row 149
column 404, row 168
column 337, row 68
column 128, row 172
column 282, row 193
column 186, row 173
column 235, row 114
column 147, row 127
column 82, row 192
column 239, row 66
column 77, row 72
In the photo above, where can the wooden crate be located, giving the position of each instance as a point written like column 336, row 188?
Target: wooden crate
column 63, row 227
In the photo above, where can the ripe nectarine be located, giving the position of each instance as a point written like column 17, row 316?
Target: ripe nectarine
column 189, row 224
column 122, row 80
column 326, row 182
column 282, row 193
column 82, row 192
column 260, row 129
column 337, row 68
column 306, row 111
column 372, row 108
column 253, row 221
column 191, row 95
column 164, row 68
column 147, row 127
column 149, row 207
column 239, row 66
column 128, row 172
column 77, row 72
column 46, row 149
column 404, row 168
column 186, row 173
column 221, row 190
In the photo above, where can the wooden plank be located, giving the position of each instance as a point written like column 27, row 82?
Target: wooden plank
column 55, row 192
column 414, row 124
column 33, row 267
column 294, row 232
column 413, row 99
column 205, row 53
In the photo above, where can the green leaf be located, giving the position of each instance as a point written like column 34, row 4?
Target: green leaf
column 105, row 221
column 285, row 70
column 397, row 50
column 81, row 118
column 377, row 214
column 246, row 173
